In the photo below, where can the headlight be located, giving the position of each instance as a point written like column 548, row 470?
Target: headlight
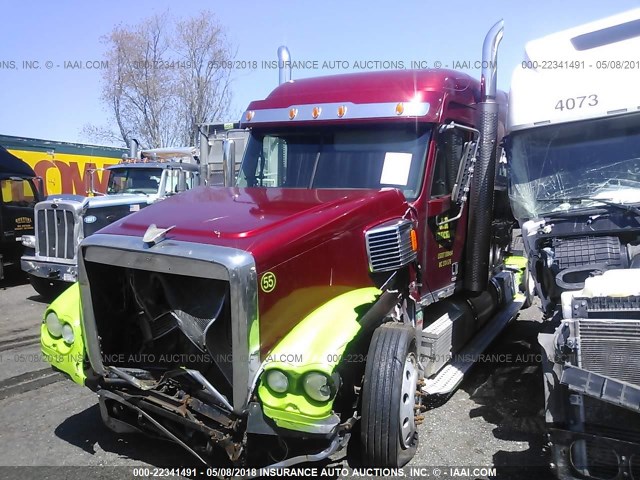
column 29, row 241
column 318, row 386
column 277, row 381
column 67, row 334
column 54, row 326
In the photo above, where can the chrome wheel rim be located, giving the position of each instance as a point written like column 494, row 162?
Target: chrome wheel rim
column 408, row 400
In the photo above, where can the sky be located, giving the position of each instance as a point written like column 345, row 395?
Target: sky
column 55, row 103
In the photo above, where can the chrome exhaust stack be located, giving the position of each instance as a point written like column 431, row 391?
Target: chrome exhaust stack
column 284, row 65
column 489, row 75
column 133, row 148
column 482, row 190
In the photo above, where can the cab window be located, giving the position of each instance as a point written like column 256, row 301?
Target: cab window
column 448, row 156
column 17, row 192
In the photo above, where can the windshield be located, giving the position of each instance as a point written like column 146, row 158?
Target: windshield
column 333, row 157
column 569, row 167
column 134, row 180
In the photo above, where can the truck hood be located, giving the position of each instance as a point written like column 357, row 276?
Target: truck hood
column 102, row 200
column 273, row 224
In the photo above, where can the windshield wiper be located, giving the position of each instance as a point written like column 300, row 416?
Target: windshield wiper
column 629, row 207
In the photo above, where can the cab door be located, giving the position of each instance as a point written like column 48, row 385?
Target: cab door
column 446, row 234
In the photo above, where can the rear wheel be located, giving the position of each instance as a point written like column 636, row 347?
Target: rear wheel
column 388, row 433
column 48, row 288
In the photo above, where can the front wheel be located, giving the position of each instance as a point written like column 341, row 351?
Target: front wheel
column 388, row 431
column 47, row 288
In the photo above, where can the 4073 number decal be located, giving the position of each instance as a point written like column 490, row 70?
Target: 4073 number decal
column 573, row 103
column 268, row 282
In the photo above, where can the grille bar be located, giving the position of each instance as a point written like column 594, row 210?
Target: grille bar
column 389, row 246
column 55, row 233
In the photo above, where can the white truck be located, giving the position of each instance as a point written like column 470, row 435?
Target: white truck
column 61, row 222
column 573, row 148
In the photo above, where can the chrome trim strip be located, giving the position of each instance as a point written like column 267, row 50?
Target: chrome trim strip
column 184, row 258
column 46, row 234
column 329, row 111
column 66, row 231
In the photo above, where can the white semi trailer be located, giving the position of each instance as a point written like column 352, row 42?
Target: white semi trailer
column 573, row 148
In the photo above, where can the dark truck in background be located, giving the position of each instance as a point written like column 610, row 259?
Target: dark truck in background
column 18, row 197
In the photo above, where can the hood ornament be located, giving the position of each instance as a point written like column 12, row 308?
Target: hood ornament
column 155, row 235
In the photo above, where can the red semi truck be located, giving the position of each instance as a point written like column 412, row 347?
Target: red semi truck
column 355, row 265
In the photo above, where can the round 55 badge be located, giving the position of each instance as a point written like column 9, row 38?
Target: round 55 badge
column 268, row 282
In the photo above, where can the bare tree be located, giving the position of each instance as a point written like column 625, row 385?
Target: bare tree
column 165, row 77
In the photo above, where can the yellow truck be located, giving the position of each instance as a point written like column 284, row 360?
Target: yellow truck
column 64, row 166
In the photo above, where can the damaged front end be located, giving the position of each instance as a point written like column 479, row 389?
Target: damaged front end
column 167, row 334
column 592, row 380
column 171, row 339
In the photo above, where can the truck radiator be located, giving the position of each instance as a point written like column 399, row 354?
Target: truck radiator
column 55, row 233
column 606, row 421
column 610, row 347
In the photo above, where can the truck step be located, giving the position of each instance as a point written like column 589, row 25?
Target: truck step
column 448, row 379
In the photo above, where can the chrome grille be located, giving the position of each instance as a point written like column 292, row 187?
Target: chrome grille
column 389, row 246
column 611, row 348
column 55, row 233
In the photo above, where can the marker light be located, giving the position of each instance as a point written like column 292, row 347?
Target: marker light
column 277, row 381
column 292, row 113
column 316, row 112
column 67, row 334
column 249, row 116
column 317, row 386
column 400, row 108
column 414, row 240
column 342, row 111
column 54, row 326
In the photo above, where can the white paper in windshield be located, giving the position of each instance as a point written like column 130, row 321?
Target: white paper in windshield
column 395, row 170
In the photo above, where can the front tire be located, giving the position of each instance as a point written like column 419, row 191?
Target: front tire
column 47, row 288
column 388, row 431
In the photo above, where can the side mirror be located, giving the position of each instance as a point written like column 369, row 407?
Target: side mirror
column 465, row 172
column 229, row 162
column 462, row 185
column 91, row 188
column 39, row 181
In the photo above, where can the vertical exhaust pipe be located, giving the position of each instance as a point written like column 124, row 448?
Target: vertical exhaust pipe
column 482, row 190
column 229, row 162
column 133, row 148
column 284, row 65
